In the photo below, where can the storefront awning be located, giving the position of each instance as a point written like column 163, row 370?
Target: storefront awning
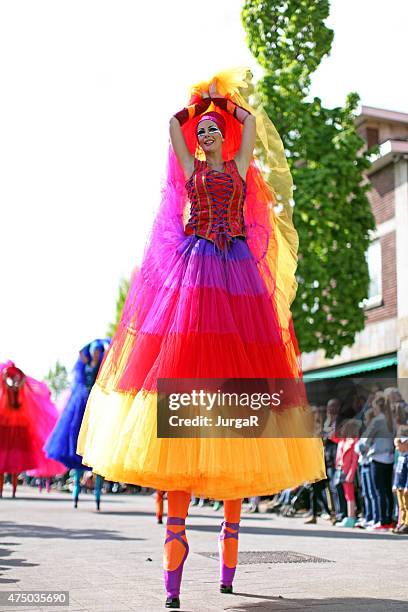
column 355, row 367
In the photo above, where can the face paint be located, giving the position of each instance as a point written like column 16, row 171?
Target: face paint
column 213, row 129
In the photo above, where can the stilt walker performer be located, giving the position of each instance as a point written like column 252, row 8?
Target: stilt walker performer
column 62, row 443
column 211, row 300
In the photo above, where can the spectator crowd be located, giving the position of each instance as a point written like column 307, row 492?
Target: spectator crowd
column 366, row 454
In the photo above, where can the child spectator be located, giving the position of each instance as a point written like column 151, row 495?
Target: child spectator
column 401, row 479
column 346, row 467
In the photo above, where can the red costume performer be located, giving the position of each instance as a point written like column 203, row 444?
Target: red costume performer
column 27, row 416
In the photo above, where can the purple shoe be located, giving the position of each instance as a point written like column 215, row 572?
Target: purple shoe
column 172, row 578
column 226, row 573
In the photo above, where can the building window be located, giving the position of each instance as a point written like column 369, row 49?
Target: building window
column 374, row 261
column 372, row 137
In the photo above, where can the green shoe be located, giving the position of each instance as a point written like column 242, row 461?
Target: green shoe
column 347, row 522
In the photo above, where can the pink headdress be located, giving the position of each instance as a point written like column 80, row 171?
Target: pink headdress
column 217, row 118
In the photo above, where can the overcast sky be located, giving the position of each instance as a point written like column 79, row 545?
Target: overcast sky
column 87, row 90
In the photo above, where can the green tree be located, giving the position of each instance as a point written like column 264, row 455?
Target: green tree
column 120, row 302
column 327, row 159
column 57, row 379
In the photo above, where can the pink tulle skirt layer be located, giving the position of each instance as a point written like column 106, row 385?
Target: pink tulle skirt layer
column 48, row 468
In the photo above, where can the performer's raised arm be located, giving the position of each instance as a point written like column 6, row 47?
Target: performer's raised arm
column 183, row 155
column 244, row 155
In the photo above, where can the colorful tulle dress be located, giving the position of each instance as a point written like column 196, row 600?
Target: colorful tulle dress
column 210, row 300
column 62, row 442
column 27, row 416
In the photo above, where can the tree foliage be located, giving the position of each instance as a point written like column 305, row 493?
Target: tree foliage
column 120, row 302
column 327, row 159
column 57, row 379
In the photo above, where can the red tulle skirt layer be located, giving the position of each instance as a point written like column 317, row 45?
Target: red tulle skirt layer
column 19, row 448
column 211, row 318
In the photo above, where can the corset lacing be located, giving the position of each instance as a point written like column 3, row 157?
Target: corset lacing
column 220, row 188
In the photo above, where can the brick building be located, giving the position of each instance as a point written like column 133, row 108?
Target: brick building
column 382, row 347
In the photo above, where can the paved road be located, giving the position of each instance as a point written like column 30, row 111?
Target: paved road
column 112, row 561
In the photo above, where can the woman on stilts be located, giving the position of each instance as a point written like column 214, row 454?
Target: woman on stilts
column 211, row 300
column 27, row 415
column 13, row 380
column 61, row 444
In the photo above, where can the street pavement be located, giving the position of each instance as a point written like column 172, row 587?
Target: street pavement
column 112, row 560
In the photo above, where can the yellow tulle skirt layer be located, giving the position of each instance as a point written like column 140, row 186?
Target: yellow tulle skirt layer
column 118, row 439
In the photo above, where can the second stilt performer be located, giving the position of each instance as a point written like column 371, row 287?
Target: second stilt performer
column 27, row 415
column 62, row 443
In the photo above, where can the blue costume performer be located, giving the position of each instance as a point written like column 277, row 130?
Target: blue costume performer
column 62, row 443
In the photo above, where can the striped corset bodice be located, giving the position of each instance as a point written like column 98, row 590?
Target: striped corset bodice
column 217, row 203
